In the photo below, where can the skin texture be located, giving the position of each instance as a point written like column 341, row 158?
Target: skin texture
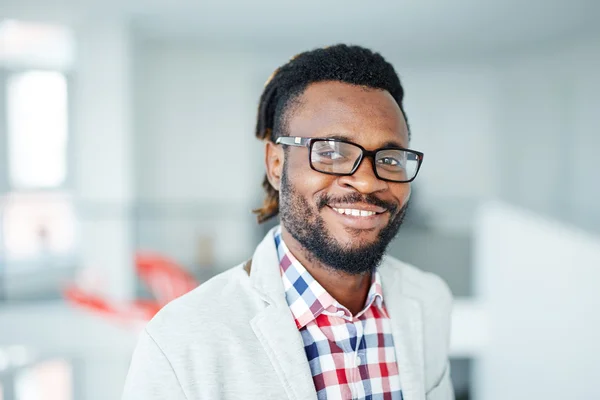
column 372, row 119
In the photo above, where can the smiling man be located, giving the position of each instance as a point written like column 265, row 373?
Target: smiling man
column 319, row 311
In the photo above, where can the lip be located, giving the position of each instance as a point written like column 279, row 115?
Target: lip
column 358, row 222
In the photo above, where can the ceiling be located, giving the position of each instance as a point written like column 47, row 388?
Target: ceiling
column 417, row 26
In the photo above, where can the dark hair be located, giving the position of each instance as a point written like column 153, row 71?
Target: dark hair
column 350, row 64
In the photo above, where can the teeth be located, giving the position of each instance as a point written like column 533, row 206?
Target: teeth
column 354, row 212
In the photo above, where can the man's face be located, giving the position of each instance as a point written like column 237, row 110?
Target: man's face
column 309, row 199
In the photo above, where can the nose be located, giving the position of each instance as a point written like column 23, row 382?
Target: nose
column 364, row 179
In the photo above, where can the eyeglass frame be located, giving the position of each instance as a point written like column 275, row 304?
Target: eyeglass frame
column 299, row 141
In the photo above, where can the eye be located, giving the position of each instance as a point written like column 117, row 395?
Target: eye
column 389, row 161
column 330, row 154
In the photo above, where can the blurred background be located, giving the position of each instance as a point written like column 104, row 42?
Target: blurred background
column 116, row 119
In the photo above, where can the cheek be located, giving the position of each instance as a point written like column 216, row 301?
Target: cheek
column 306, row 181
column 401, row 192
column 311, row 185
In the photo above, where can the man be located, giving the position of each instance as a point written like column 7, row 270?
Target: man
column 319, row 311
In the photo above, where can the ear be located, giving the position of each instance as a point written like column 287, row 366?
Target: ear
column 274, row 158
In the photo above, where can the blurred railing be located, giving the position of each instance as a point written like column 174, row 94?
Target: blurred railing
column 203, row 237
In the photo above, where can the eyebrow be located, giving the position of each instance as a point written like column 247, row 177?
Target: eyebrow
column 390, row 143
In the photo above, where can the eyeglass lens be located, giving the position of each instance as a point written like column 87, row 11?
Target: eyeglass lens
column 336, row 157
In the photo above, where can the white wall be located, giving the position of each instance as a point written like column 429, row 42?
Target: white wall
column 585, row 137
column 549, row 126
column 198, row 163
column 195, row 122
column 102, row 148
column 538, row 283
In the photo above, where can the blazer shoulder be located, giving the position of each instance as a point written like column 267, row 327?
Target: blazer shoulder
column 426, row 287
column 222, row 302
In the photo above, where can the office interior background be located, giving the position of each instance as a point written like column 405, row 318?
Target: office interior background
column 127, row 126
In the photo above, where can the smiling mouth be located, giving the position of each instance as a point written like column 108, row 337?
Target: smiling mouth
column 356, row 212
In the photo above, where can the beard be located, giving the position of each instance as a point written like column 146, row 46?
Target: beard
column 307, row 226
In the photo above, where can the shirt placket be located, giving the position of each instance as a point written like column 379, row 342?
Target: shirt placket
column 356, row 361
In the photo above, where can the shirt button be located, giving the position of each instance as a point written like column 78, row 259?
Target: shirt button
column 358, row 362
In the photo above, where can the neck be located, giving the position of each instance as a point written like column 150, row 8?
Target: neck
column 349, row 290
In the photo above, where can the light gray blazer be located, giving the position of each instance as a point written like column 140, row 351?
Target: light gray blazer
column 234, row 338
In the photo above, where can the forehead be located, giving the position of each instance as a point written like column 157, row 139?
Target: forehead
column 367, row 116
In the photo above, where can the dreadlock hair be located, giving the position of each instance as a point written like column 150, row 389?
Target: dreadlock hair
column 349, row 64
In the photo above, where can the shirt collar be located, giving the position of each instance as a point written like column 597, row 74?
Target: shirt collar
column 306, row 298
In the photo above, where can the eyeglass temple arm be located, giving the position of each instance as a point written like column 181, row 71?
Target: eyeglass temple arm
column 292, row 140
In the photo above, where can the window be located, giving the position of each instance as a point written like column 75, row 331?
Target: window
column 37, row 215
column 38, row 219
column 37, row 129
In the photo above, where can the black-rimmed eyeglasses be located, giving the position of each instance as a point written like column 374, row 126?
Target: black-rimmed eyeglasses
column 341, row 157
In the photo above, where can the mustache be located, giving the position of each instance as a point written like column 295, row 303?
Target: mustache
column 353, row 198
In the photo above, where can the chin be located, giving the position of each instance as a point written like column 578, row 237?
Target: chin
column 356, row 238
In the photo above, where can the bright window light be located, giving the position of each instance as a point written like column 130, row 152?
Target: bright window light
column 25, row 44
column 37, row 129
column 48, row 380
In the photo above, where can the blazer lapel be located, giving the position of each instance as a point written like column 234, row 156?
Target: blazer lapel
column 275, row 328
column 283, row 344
column 407, row 328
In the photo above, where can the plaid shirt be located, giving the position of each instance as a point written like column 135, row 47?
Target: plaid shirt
column 350, row 357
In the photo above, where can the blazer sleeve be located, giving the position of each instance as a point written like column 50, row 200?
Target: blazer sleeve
column 151, row 375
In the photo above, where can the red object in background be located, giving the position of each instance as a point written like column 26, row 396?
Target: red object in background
column 165, row 279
